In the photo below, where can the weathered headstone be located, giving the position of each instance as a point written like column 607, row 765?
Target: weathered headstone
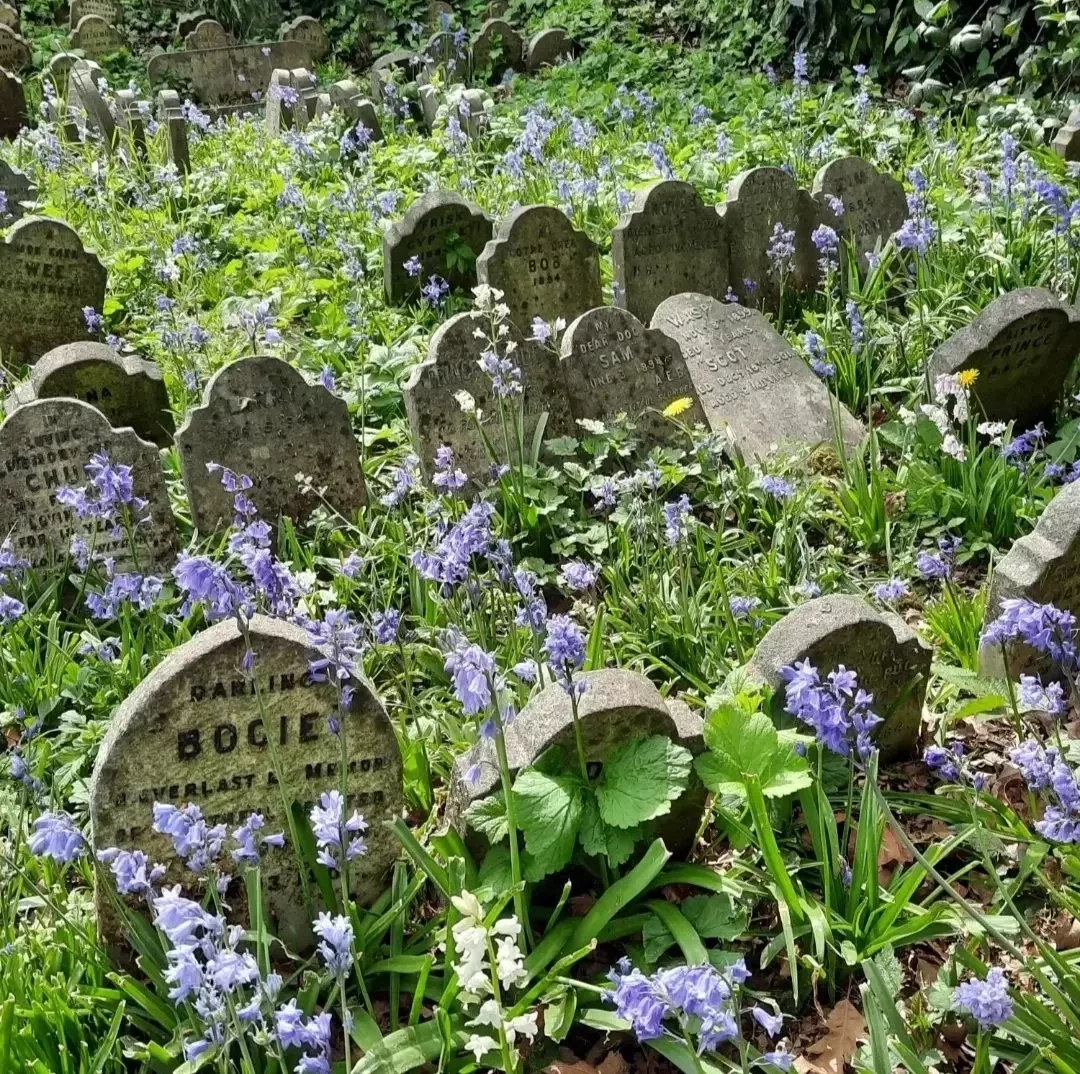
column 890, row 659
column 45, row 446
column 1067, row 140
column 874, row 203
column 400, row 67
column 96, row 37
column 259, row 417
column 748, row 377
column 309, row 31
column 85, row 98
column 58, row 70
column 170, row 113
column 428, row 99
column 307, row 95
column 14, row 51
column 12, row 105
column 547, row 48
column 670, row 242
column 1023, row 346
column 128, row 390
column 450, row 49
column 1044, row 567
column 452, row 366
column 473, row 113
column 16, row 188
column 196, row 731
column 497, row 48
column 281, row 102
column 131, row 122
column 439, row 11
column 187, row 21
column 46, row 279
column 758, row 200
column 543, row 265
column 109, row 10
column 356, row 108
column 437, row 227
column 614, row 365
column 209, row 33
column 496, row 9
column 9, row 16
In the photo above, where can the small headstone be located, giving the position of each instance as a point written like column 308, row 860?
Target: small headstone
column 874, row 204
column 473, row 114
column 428, row 99
column 401, row 67
column 323, row 105
column 45, row 445
column 170, row 113
column 58, row 70
column 259, row 417
column 435, row 416
column 890, row 659
column 671, row 242
column 188, row 21
column 9, row 17
column 758, row 200
column 748, row 377
column 96, row 37
column 195, row 730
column 1023, row 346
column 12, row 105
column 543, row 265
column 131, row 122
column 281, row 101
column 356, row 108
column 209, row 33
column 437, row 227
column 14, row 51
column 16, row 188
column 46, row 279
column 307, row 95
column 1067, row 140
column 615, row 365
column 109, row 10
column 84, row 96
column 496, row 9
column 129, row 391
column 437, row 9
column 310, row 32
column 497, row 48
column 450, row 49
column 547, row 48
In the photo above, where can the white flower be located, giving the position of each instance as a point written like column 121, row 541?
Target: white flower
column 479, row 1045
column 488, row 1015
column 908, row 417
column 992, row 429
column 508, row 926
column 468, row 406
column 951, row 446
column 937, row 415
column 468, row 905
column 510, row 963
column 525, row 1024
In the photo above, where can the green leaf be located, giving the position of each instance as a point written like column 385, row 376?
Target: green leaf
column 715, row 917
column 488, row 817
column 549, row 814
column 641, row 780
column 742, row 745
column 657, row 939
column 599, row 839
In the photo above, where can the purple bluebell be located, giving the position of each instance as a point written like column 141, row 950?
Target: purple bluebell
column 132, row 872
column 337, row 839
column 335, row 942
column 578, row 576
column 472, row 672
column 837, row 710
column 676, row 521
column 986, row 1001
column 55, row 836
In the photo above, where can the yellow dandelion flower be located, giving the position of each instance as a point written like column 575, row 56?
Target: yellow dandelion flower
column 967, row 377
column 678, row 406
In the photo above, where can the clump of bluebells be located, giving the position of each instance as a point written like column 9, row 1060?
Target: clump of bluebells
column 836, row 708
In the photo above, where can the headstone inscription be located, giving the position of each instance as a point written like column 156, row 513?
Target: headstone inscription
column 1067, row 140
column 445, row 233
column 209, row 33
column 198, row 730
column 45, row 446
column 497, row 48
column 671, row 242
column 46, row 280
column 748, row 377
column 85, row 99
column 14, row 51
column 543, row 265
column 17, row 190
column 890, row 659
column 259, row 417
column 109, row 10
column 9, row 16
column 874, row 204
column 58, row 69
column 310, row 32
column 96, row 38
column 436, row 417
column 1022, row 346
column 615, row 365
column 170, row 114
column 356, row 108
column 12, row 105
column 548, row 48
column 1044, row 567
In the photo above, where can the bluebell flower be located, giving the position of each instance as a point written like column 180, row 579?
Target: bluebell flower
column 434, row 292
column 986, row 1001
column 837, row 710
column 578, row 576
column 1047, row 629
column 337, row 839
column 250, row 843
column 565, row 649
column 196, row 842
column 335, row 942
column 940, row 565
column 827, row 244
column 131, row 870
column 891, row 591
column 403, row 479
column 386, row 626
column 94, row 321
column 676, row 524
column 776, row 487
column 55, row 836
column 781, row 250
column 741, row 607
column 472, row 671
column 771, row 1023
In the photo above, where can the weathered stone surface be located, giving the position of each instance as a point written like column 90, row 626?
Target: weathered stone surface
column 401, row 67
column 613, row 364
column 1067, row 140
column 46, row 278
column 450, row 50
column 669, row 243
column 1044, row 567
column 748, row 377
column 890, row 659
column 58, row 69
column 440, row 12
column 195, row 731
column 435, row 418
column 131, row 123
column 96, row 37
column 434, row 225
column 16, row 189
column 543, row 265
column 281, row 101
column 547, row 48
column 259, row 417
column 128, row 390
column 170, row 114
column 497, row 48
column 208, row 33
column 357, row 109
column 874, row 203
column 86, row 100
column 109, row 10
column 309, row 31
column 14, row 51
column 9, row 16
column 757, row 200
column 428, row 100
column 1023, row 346
column 473, row 114
column 45, row 445
column 307, row 96
column 12, row 105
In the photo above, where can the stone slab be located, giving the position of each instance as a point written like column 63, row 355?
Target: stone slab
column 13, row 116
column 17, row 189
column 96, row 38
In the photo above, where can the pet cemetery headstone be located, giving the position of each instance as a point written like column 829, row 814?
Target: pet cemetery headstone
column 96, row 38
column 209, row 33
column 356, row 108
column 85, row 100
column 281, row 102
column 17, row 191
column 547, row 48
column 109, row 10
column 400, row 69
column 58, row 70
column 131, row 122
column 14, row 51
column 309, row 31
column 450, row 50
column 473, row 114
column 1067, row 140
column 12, row 105
column 170, row 114
column 9, row 17
column 496, row 49
column 307, row 93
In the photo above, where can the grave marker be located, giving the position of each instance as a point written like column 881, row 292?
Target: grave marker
column 16, row 188
column 170, row 113
column 307, row 96
column 543, row 265
column 14, row 51
column 497, row 48
column 412, row 66
column 96, row 37
column 58, row 70
column 281, row 102
column 308, row 31
column 259, row 417
column 346, row 96
column 84, row 97
column 9, row 17
column 108, row 10
column 671, row 242
column 208, row 33
column 473, row 114
column 187, row 21
column 12, row 105
column 450, row 49
column 131, row 122
column 1067, row 140
column 547, row 48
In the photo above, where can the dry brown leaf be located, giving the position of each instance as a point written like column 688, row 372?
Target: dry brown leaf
column 613, row 1064
column 1066, row 933
column 561, row 1067
column 891, row 854
column 831, row 1053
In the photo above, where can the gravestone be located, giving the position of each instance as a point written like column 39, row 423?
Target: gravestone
column 1023, row 346
column 12, row 105
column 757, row 200
column 748, row 377
column 402, row 67
column 890, row 659
column 473, row 114
column 543, row 265
column 436, row 418
column 671, row 242
column 613, row 364
column 85, row 98
column 261, row 418
column 96, row 38
column 323, row 105
column 109, row 10
column 444, row 50
column 16, row 188
column 434, row 225
column 130, row 122
column 547, row 48
column 209, row 33
column 9, row 17
column 308, row 31
column 58, row 70
column 14, row 51
column 129, row 391
column 307, row 94
column 46, row 278
column 45, row 445
column 187, row 21
column 496, row 9
column 1043, row 566
column 437, row 9
column 195, row 731
column 618, row 706
column 357, row 109
column 1067, row 140
column 497, row 48
column 170, row 113
column 281, row 101
column 875, row 205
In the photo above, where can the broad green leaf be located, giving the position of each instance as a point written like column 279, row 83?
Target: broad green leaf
column 715, row 917
column 641, row 780
column 488, row 817
column 745, row 744
column 598, row 838
column 549, row 814
column 656, row 938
